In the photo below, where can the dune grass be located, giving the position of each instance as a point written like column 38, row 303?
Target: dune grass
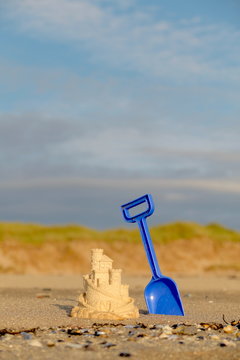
column 38, row 234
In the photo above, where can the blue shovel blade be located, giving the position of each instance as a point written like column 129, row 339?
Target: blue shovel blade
column 162, row 297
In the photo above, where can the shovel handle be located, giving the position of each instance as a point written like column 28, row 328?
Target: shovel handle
column 149, row 249
column 142, row 224
column 135, row 218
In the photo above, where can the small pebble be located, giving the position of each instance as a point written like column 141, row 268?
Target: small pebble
column 42, row 296
column 124, row 354
column 26, row 336
column 172, row 337
column 50, row 343
column 131, row 333
column 214, row 337
column 158, row 326
column 35, row 343
column 108, row 345
column 229, row 329
column 77, row 331
column 140, row 325
column 99, row 333
column 129, row 326
column 201, row 328
column 222, row 344
column 167, row 330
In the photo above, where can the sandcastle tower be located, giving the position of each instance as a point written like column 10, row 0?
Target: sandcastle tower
column 104, row 296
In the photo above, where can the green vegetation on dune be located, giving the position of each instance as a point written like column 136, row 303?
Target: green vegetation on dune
column 185, row 230
column 39, row 234
column 179, row 230
column 219, row 232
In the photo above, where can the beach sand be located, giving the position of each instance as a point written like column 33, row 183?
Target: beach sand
column 35, row 321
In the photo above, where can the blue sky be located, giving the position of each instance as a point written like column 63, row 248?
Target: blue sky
column 102, row 101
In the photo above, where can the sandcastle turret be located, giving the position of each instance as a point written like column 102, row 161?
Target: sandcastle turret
column 96, row 255
column 104, row 296
column 115, row 278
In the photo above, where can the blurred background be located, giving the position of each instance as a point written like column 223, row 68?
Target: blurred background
column 103, row 101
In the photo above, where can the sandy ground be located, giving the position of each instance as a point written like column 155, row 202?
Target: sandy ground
column 39, row 306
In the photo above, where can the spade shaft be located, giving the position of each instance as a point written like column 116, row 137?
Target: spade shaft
column 149, row 249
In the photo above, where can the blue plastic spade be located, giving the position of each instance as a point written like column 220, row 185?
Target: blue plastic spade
column 161, row 293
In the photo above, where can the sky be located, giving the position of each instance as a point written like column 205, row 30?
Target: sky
column 103, row 101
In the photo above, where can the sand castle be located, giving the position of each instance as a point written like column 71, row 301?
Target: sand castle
column 104, row 296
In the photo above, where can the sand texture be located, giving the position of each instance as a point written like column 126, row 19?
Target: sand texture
column 35, row 321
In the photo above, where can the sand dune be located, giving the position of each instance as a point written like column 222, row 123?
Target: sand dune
column 181, row 256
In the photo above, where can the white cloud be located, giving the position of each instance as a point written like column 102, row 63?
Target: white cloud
column 50, row 16
column 134, row 39
column 75, row 147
